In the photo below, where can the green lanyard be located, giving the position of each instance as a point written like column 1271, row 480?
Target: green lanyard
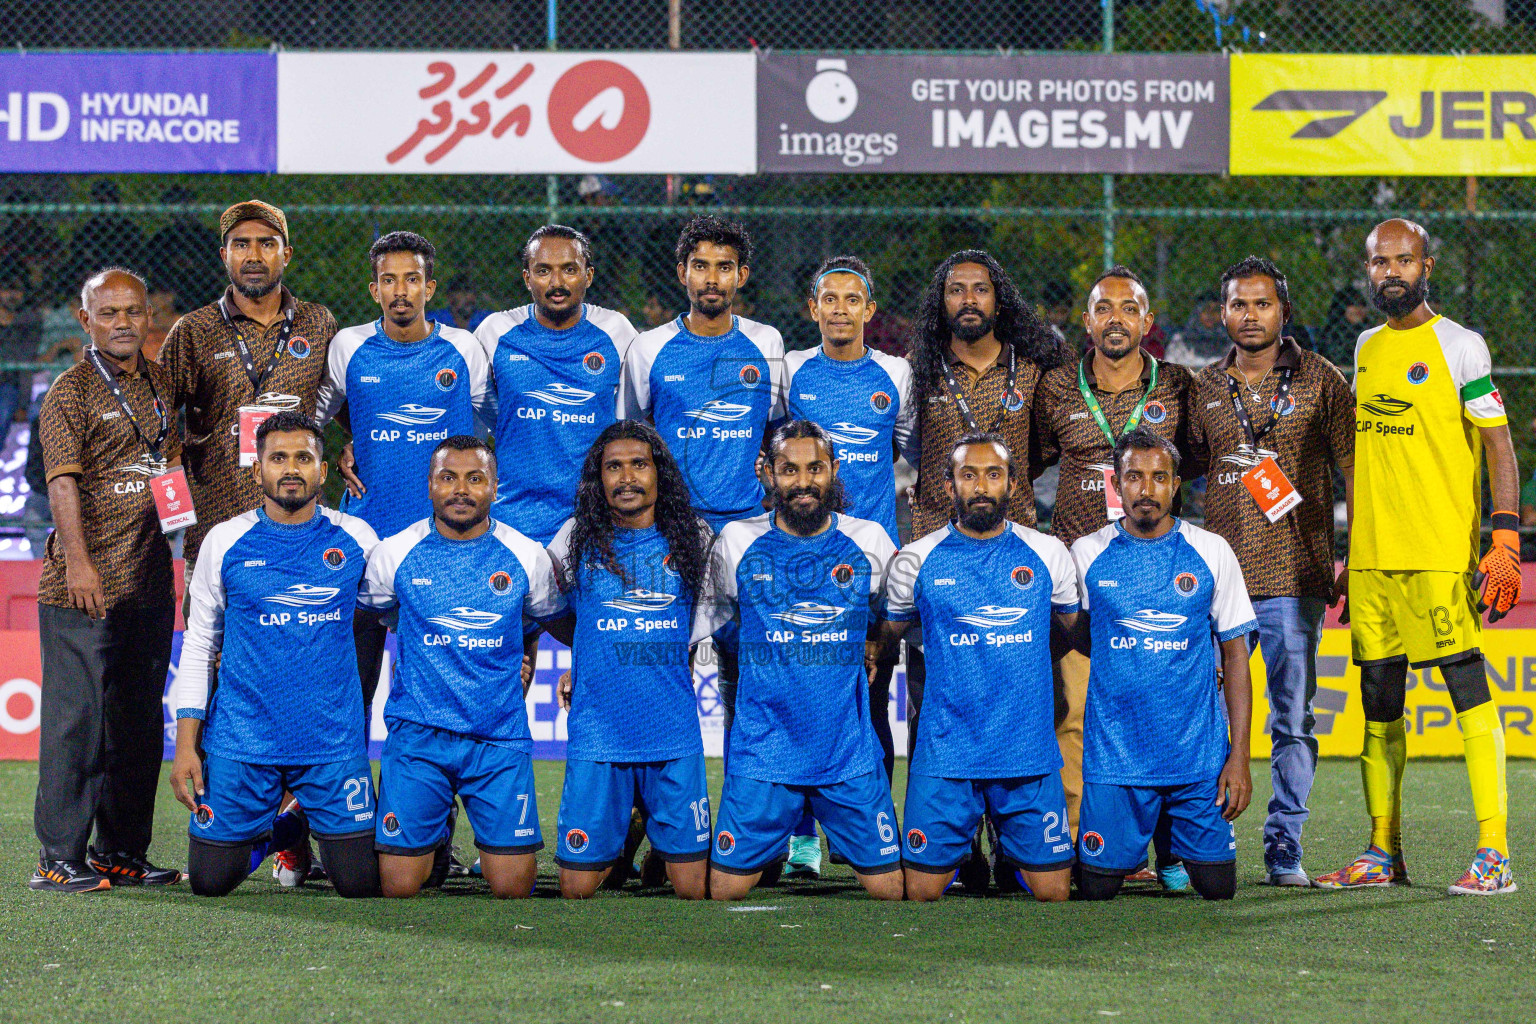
column 1097, row 411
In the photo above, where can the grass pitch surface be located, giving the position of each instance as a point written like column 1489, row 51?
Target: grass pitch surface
column 809, row 951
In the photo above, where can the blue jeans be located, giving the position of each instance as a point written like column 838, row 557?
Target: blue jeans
column 1290, row 629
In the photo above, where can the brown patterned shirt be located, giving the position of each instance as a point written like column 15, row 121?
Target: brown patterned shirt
column 1292, row 557
column 209, row 380
column 85, row 435
column 1066, row 432
column 940, row 426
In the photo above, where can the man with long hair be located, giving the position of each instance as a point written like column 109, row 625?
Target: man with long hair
column 630, row 562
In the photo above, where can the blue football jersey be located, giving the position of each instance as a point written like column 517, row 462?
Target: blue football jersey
column 711, row 399
column 866, row 407
column 402, row 398
column 631, row 684
column 1154, row 715
column 272, row 603
column 985, row 609
column 554, row 392
column 802, row 606
column 462, row 609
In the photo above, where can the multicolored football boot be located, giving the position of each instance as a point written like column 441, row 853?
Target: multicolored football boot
column 1489, row 875
column 1374, row 867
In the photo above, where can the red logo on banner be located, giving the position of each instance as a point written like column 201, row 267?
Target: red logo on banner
column 475, row 118
column 599, row 111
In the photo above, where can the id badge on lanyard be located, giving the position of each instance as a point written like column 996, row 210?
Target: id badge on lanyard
column 168, row 486
column 253, row 416
column 1114, row 508
column 1271, row 489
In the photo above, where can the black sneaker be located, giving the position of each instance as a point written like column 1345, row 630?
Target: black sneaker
column 975, row 872
column 653, row 871
column 67, row 876
column 131, row 869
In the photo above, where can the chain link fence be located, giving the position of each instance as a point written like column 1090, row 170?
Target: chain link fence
column 1054, row 232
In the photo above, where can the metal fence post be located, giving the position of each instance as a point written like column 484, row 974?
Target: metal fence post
column 1108, row 7
column 552, row 182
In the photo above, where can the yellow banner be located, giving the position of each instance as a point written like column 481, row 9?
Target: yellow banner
column 1432, row 731
column 1397, row 115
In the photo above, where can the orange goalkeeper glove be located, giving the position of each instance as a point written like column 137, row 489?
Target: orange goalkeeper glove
column 1499, row 571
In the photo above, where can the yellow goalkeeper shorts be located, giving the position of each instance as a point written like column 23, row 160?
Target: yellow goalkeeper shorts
column 1429, row 616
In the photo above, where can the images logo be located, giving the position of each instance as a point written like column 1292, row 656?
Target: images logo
column 555, row 393
column 446, row 379
column 1150, row 621
column 719, row 411
column 466, row 618
column 1418, row 373
column 993, row 616
column 831, row 96
column 593, row 363
column 334, row 558
column 1385, row 405
column 851, row 433
column 302, row 595
column 1022, row 576
column 412, row 415
column 809, row 613
column 641, row 601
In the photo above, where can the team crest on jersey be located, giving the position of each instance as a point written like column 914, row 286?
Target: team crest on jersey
column 204, row 816
column 500, row 582
column 1155, row 412
column 334, row 558
column 298, row 347
column 916, row 841
column 593, row 363
column 879, row 401
column 391, row 825
column 669, row 567
column 1185, row 583
column 1093, row 844
column 1013, row 401
column 1418, row 373
column 725, row 843
column 576, row 840
column 446, row 379
column 1022, row 576
column 751, row 376
column 842, row 574
column 1282, row 405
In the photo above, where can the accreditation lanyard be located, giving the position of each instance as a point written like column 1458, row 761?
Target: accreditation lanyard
column 965, row 407
column 110, row 380
column 1097, row 411
column 1275, row 405
column 257, row 379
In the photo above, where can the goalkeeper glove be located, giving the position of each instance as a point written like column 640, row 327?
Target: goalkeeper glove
column 1499, row 571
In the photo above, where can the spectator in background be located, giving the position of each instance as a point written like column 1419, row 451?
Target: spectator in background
column 1202, row 340
column 164, row 304
column 25, row 241
column 655, row 312
column 107, row 239
column 463, row 310
column 61, row 337
column 1348, row 314
column 20, row 329
column 1056, row 307
column 183, row 260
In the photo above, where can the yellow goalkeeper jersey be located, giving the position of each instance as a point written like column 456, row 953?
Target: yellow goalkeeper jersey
column 1420, row 394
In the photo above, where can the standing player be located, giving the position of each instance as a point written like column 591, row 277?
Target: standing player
column 274, row 591
column 1425, row 406
column 630, row 562
column 256, row 346
column 555, row 365
column 1081, row 409
column 468, row 592
column 1155, row 590
column 985, row 591
column 709, row 380
column 406, row 383
column 801, row 583
column 1269, row 399
column 862, row 398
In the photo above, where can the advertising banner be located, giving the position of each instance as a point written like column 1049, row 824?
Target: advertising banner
column 122, row 112
column 1397, row 115
column 1048, row 113
column 516, row 113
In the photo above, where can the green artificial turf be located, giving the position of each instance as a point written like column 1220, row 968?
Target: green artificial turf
column 815, row 952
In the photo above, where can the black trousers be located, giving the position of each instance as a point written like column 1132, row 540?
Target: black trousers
column 102, row 731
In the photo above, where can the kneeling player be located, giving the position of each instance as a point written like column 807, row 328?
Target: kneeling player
column 1156, row 743
column 801, row 583
column 468, row 591
column 630, row 562
column 985, row 591
column 272, row 600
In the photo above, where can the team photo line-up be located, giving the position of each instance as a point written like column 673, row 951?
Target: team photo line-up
column 1080, row 698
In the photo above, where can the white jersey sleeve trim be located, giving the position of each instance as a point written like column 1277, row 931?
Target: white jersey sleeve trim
column 794, row 362
column 479, row 365
column 771, row 344
column 1066, row 592
column 489, row 335
column 716, row 604
column 616, row 325
column 333, row 389
column 1085, row 552
column 1231, row 610
column 900, row 603
column 356, row 528
column 204, row 636
column 1467, row 356
column 378, row 589
column 877, row 547
column 635, row 381
column 544, row 601
column 905, row 432
column 1365, row 336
